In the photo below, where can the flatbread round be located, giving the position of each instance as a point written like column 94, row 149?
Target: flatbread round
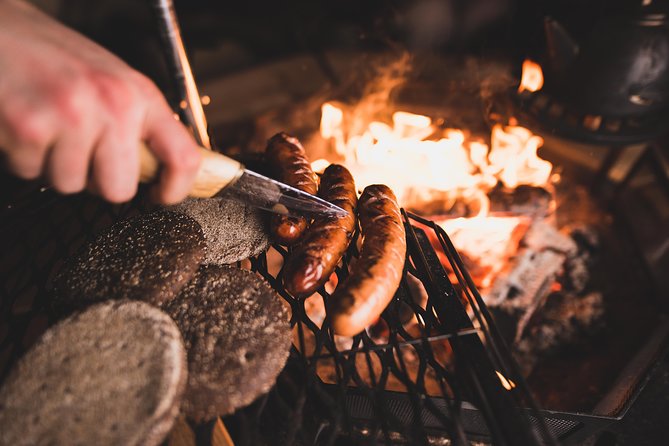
column 233, row 230
column 114, row 374
column 237, row 333
column 149, row 257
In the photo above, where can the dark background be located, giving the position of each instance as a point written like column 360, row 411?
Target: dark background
column 267, row 30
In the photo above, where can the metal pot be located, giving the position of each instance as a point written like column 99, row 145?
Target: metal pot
column 622, row 69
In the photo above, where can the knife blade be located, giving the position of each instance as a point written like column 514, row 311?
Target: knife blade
column 274, row 196
column 220, row 175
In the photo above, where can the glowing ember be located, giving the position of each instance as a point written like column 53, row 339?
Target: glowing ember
column 532, row 78
column 487, row 242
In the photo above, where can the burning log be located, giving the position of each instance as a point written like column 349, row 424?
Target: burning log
column 530, row 201
column 542, row 236
column 578, row 266
column 521, row 292
column 529, row 278
column 538, row 297
column 486, row 244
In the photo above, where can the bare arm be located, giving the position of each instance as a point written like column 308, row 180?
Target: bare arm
column 74, row 113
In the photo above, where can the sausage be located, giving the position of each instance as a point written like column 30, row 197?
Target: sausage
column 291, row 166
column 314, row 259
column 287, row 229
column 363, row 296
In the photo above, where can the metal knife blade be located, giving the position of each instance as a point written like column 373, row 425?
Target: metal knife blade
column 220, row 175
column 277, row 197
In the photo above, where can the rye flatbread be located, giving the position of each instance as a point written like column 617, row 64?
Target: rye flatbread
column 114, row 374
column 233, row 230
column 237, row 334
column 149, row 257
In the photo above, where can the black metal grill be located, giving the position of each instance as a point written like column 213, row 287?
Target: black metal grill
column 46, row 228
column 399, row 387
column 359, row 406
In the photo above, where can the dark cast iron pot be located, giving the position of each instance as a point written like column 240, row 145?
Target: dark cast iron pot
column 621, row 69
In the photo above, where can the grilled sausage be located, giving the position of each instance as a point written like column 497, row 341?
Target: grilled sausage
column 287, row 229
column 314, row 259
column 291, row 166
column 367, row 291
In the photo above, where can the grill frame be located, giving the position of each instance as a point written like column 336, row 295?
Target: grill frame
column 546, row 111
column 44, row 228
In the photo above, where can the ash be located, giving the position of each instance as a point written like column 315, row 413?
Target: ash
column 542, row 300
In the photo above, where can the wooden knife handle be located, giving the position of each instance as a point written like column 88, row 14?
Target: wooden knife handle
column 216, row 171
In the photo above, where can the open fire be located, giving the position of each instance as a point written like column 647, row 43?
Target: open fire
column 515, row 253
column 440, row 171
column 434, row 169
column 422, row 162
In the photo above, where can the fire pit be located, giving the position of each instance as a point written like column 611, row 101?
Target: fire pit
column 568, row 235
column 400, row 381
column 561, row 266
column 457, row 362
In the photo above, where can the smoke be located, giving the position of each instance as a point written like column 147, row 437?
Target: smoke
column 378, row 93
column 430, row 23
column 434, row 23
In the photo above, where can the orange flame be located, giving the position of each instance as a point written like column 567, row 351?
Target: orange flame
column 532, row 78
column 506, row 383
column 514, row 153
column 420, row 161
column 423, row 164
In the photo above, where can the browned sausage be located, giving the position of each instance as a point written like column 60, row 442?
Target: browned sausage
column 287, row 230
column 289, row 162
column 363, row 296
column 314, row 259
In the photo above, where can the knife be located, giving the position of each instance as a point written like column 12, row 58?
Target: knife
column 220, row 175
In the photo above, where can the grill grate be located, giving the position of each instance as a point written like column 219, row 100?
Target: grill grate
column 397, row 387
column 386, row 385
column 363, row 372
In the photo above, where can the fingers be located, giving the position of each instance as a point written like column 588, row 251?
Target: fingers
column 99, row 144
column 177, row 151
column 25, row 137
column 74, row 113
column 115, row 166
column 78, row 123
column 67, row 165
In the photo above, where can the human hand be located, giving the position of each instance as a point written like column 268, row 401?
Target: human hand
column 74, row 113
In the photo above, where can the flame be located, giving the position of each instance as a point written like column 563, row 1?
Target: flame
column 506, row 383
column 332, row 124
column 425, row 164
column 514, row 153
column 532, row 78
column 420, row 161
column 320, row 165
